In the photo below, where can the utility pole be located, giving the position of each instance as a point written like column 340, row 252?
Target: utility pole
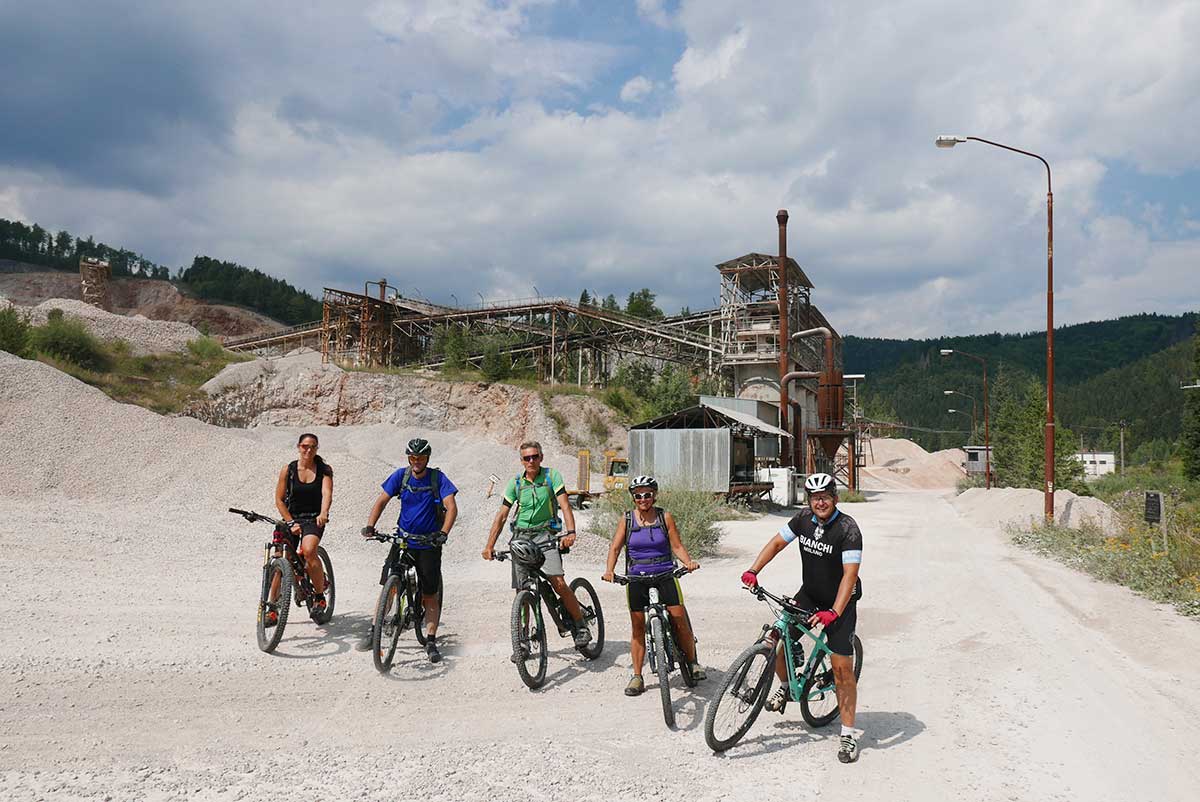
column 1122, row 425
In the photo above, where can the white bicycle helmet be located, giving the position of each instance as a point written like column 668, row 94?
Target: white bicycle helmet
column 645, row 480
column 820, row 483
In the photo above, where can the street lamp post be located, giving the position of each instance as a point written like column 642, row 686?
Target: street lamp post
column 962, row 412
column 987, row 435
column 951, row 141
column 974, row 411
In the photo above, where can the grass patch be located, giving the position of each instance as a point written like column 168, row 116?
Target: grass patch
column 1133, row 558
column 696, row 514
column 165, row 383
column 851, row 497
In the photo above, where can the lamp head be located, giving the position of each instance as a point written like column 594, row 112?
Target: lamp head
column 948, row 141
column 947, row 351
column 952, row 410
column 947, row 392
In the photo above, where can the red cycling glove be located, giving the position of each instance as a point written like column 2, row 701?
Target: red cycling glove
column 825, row 617
column 750, row 579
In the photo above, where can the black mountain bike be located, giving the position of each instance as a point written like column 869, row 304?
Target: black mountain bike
column 283, row 566
column 748, row 681
column 529, row 627
column 662, row 646
column 399, row 604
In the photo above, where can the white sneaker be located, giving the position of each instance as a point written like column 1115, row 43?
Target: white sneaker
column 848, row 748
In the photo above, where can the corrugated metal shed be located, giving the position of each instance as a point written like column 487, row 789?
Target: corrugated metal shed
column 698, row 459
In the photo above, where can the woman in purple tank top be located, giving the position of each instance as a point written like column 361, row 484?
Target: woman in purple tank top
column 650, row 538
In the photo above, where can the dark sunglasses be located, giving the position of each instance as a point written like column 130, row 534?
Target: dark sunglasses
column 642, row 496
column 530, row 457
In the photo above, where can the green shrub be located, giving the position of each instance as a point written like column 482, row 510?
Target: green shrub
column 206, row 348
column 597, row 428
column 851, row 497
column 696, row 513
column 965, row 483
column 68, row 339
column 15, row 336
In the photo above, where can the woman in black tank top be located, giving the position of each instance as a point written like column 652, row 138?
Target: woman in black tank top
column 303, row 495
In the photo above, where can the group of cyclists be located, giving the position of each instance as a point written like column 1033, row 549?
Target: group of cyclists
column 829, row 541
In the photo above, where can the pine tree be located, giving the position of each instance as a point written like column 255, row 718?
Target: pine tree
column 495, row 364
column 585, row 299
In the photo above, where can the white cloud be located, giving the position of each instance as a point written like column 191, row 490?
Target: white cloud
column 655, row 11
column 636, row 89
column 444, row 140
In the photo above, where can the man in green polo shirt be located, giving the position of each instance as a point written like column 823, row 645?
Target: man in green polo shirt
column 536, row 492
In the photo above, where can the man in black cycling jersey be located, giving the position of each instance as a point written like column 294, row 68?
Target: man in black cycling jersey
column 830, row 555
column 427, row 506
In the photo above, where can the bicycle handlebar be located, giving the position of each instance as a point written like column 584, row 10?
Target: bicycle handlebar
column 252, row 516
column 430, row 539
column 647, row 579
column 763, row 594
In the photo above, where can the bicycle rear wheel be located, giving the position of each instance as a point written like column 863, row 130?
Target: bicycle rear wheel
column 589, row 603
column 277, row 569
column 732, row 713
column 330, row 587
column 390, row 611
column 658, row 642
column 818, row 694
column 529, row 639
column 685, row 666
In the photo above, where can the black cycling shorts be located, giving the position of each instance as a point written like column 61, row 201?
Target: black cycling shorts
column 638, row 593
column 840, row 634
column 308, row 526
column 428, row 563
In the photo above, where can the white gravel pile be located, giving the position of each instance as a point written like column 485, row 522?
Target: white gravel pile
column 88, row 448
column 1022, row 506
column 143, row 335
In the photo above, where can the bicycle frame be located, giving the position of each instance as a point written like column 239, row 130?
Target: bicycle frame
column 781, row 632
column 539, row 583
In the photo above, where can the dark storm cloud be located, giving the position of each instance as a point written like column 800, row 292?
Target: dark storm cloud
column 105, row 94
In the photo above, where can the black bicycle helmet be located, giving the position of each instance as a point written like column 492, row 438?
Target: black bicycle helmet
column 526, row 553
column 418, row 446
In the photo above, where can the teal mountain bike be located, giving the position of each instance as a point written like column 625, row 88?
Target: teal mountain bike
column 748, row 681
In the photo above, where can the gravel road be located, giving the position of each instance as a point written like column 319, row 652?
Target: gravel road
column 129, row 671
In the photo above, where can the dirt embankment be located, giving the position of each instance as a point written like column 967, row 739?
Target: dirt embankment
column 157, row 300
column 300, row 391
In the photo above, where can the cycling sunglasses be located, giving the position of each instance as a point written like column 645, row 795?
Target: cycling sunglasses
column 530, row 457
column 642, row 496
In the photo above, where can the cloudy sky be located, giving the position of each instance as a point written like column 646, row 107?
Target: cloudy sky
column 495, row 146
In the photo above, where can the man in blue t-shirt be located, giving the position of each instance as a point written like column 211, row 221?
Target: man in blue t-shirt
column 425, row 508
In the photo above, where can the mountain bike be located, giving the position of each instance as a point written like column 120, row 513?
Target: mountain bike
column 662, row 648
column 400, row 602
column 529, row 626
column 748, row 681
column 284, row 567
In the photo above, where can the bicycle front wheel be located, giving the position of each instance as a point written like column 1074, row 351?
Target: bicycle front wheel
column 529, row 639
column 733, row 711
column 330, row 587
column 390, row 611
column 589, row 603
column 818, row 694
column 277, row 571
column 658, row 642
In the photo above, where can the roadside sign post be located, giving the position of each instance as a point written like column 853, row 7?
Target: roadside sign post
column 1156, row 514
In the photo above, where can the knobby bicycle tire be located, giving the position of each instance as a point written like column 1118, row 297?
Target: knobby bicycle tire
column 685, row 665
column 818, row 686
column 389, row 621
column 658, row 642
column 529, row 638
column 330, row 587
column 589, row 603
column 269, row 637
column 742, row 695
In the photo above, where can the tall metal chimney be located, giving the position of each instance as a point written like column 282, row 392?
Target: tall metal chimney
column 785, row 448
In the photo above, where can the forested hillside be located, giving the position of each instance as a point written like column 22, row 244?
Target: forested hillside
column 210, row 279
column 1105, row 372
